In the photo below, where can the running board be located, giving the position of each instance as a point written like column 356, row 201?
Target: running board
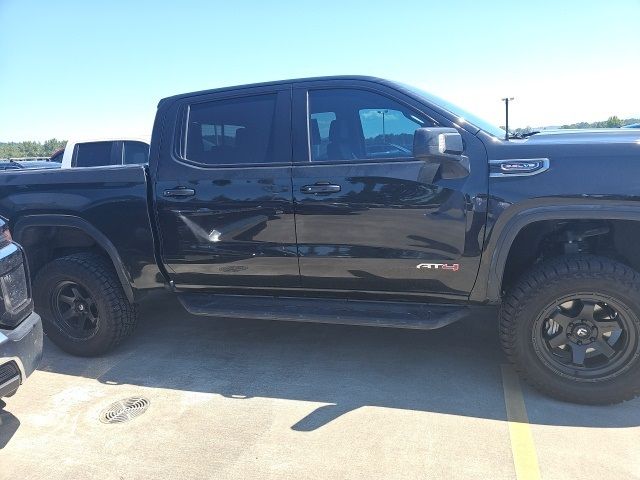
column 322, row 310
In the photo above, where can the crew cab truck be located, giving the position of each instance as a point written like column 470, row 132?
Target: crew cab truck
column 352, row 200
column 20, row 327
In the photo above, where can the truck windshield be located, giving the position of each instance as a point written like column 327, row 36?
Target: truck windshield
column 459, row 112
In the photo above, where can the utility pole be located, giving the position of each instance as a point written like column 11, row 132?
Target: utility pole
column 384, row 133
column 506, row 101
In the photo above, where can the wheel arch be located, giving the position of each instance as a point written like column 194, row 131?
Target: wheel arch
column 505, row 231
column 25, row 223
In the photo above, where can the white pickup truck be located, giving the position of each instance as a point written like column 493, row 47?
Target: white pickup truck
column 104, row 151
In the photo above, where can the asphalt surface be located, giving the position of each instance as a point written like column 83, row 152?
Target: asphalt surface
column 250, row 399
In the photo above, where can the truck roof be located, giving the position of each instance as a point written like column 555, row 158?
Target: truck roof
column 279, row 82
column 123, row 138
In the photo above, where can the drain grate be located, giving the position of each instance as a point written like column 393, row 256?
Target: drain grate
column 124, row 410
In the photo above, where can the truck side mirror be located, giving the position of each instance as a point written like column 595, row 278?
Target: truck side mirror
column 437, row 142
column 444, row 146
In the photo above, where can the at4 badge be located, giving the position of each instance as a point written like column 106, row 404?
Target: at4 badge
column 454, row 267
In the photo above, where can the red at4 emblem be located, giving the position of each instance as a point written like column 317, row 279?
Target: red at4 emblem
column 454, row 267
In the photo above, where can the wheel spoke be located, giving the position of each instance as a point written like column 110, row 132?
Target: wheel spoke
column 76, row 294
column 66, row 299
column 558, row 340
column 588, row 310
column 562, row 319
column 601, row 346
column 578, row 353
column 608, row 327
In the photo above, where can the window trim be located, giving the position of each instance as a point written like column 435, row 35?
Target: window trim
column 182, row 129
column 400, row 101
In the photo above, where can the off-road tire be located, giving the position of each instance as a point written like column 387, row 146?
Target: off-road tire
column 536, row 290
column 117, row 317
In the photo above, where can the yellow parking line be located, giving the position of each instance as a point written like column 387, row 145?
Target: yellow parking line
column 525, row 458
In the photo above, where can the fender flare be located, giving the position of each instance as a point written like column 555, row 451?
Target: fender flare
column 76, row 222
column 496, row 252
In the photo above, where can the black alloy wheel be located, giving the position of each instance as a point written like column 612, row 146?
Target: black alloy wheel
column 585, row 337
column 75, row 311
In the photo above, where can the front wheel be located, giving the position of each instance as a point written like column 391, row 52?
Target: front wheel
column 571, row 327
column 83, row 307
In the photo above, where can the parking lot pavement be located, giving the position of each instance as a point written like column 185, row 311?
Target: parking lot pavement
column 250, row 399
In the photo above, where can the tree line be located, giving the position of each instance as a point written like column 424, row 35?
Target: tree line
column 611, row 122
column 30, row 148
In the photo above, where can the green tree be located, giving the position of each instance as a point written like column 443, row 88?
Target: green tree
column 52, row 145
column 613, row 122
column 30, row 148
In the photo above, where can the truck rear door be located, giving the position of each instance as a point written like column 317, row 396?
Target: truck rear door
column 223, row 190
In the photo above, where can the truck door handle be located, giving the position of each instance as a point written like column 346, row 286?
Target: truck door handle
column 180, row 192
column 320, row 187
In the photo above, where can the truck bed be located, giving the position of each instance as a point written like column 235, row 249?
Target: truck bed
column 113, row 200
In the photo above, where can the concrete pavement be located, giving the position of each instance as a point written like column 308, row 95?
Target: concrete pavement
column 250, row 399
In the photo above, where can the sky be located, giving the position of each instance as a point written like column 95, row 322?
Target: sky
column 72, row 69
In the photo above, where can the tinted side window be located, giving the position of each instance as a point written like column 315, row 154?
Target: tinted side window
column 93, row 154
column 135, row 152
column 361, row 125
column 232, row 131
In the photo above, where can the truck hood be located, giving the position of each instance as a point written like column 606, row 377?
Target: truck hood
column 581, row 136
column 607, row 143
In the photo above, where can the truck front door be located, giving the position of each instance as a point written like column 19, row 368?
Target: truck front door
column 369, row 216
column 223, row 191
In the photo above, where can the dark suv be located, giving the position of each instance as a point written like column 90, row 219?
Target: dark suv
column 20, row 327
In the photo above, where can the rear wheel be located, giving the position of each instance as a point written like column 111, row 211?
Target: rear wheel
column 572, row 329
column 83, row 307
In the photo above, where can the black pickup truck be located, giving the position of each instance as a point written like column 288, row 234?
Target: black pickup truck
column 352, row 200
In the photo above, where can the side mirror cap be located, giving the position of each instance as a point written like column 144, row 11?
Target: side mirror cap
column 437, row 143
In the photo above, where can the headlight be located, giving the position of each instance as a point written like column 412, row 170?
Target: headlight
column 5, row 233
column 16, row 302
column 14, row 289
